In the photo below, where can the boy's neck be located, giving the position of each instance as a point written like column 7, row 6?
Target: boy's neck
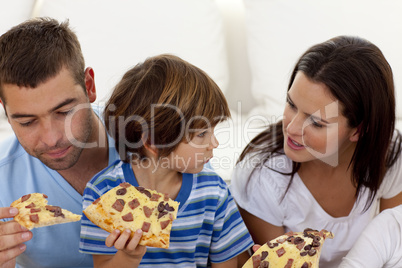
column 152, row 176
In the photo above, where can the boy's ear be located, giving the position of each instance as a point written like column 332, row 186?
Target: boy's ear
column 149, row 147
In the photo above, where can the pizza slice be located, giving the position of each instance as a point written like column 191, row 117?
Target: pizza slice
column 291, row 250
column 129, row 207
column 33, row 212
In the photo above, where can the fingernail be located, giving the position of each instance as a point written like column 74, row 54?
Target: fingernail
column 25, row 236
column 13, row 211
column 139, row 231
column 128, row 231
column 117, row 231
column 22, row 247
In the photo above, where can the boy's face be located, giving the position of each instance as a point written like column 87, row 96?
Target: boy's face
column 190, row 157
column 49, row 120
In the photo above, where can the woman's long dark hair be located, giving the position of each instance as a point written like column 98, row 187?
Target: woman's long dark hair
column 358, row 75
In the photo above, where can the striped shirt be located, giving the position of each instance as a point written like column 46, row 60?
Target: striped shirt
column 208, row 227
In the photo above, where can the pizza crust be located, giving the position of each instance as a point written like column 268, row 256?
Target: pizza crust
column 155, row 223
column 34, row 212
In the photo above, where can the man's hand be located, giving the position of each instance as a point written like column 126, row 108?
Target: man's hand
column 12, row 237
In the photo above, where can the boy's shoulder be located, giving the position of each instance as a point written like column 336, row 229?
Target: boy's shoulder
column 110, row 176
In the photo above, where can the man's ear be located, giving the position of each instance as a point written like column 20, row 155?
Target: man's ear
column 90, row 84
column 4, row 107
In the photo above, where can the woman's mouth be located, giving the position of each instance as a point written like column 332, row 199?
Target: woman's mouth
column 294, row 145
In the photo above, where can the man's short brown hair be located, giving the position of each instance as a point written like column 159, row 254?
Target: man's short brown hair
column 36, row 50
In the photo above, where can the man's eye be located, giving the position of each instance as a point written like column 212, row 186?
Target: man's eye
column 26, row 124
column 65, row 112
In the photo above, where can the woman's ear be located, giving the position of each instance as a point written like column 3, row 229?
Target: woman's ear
column 355, row 136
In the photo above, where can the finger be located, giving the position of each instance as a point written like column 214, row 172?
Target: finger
column 11, row 253
column 122, row 240
column 13, row 240
column 109, row 242
column 8, row 212
column 132, row 245
column 256, row 247
column 11, row 227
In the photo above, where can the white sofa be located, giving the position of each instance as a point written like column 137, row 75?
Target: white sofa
column 247, row 46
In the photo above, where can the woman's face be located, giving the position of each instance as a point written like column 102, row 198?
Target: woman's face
column 313, row 125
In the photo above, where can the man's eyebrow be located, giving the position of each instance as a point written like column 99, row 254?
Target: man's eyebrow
column 65, row 102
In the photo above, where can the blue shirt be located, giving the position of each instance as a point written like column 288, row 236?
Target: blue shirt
column 21, row 174
column 208, row 227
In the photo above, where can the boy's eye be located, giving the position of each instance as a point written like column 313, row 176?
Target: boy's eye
column 202, row 134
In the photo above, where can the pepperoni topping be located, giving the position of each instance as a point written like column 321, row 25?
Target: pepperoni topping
column 289, row 263
column 45, row 196
column 147, row 211
column 134, row 203
column 125, row 184
column 144, row 191
column 312, row 252
column 34, row 218
column 155, row 197
column 146, row 226
column 280, row 252
column 121, row 191
column 169, row 208
column 164, row 224
column 281, row 240
column 96, row 201
column 161, row 207
column 25, row 197
column 118, row 205
column 256, row 261
column 305, row 265
column 264, row 264
column 300, row 246
column 56, row 210
column 166, row 197
column 298, row 240
column 34, row 210
column 128, row 217
column 161, row 214
column 272, row 245
column 32, row 205
column 264, row 254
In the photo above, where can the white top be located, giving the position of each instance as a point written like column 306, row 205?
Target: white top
column 380, row 245
column 299, row 210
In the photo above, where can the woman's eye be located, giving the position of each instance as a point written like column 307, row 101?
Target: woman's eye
column 315, row 123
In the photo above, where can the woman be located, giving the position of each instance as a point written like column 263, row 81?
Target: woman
column 334, row 159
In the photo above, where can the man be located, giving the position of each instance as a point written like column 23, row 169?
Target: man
column 59, row 144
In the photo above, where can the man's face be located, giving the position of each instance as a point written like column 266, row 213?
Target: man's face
column 49, row 120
